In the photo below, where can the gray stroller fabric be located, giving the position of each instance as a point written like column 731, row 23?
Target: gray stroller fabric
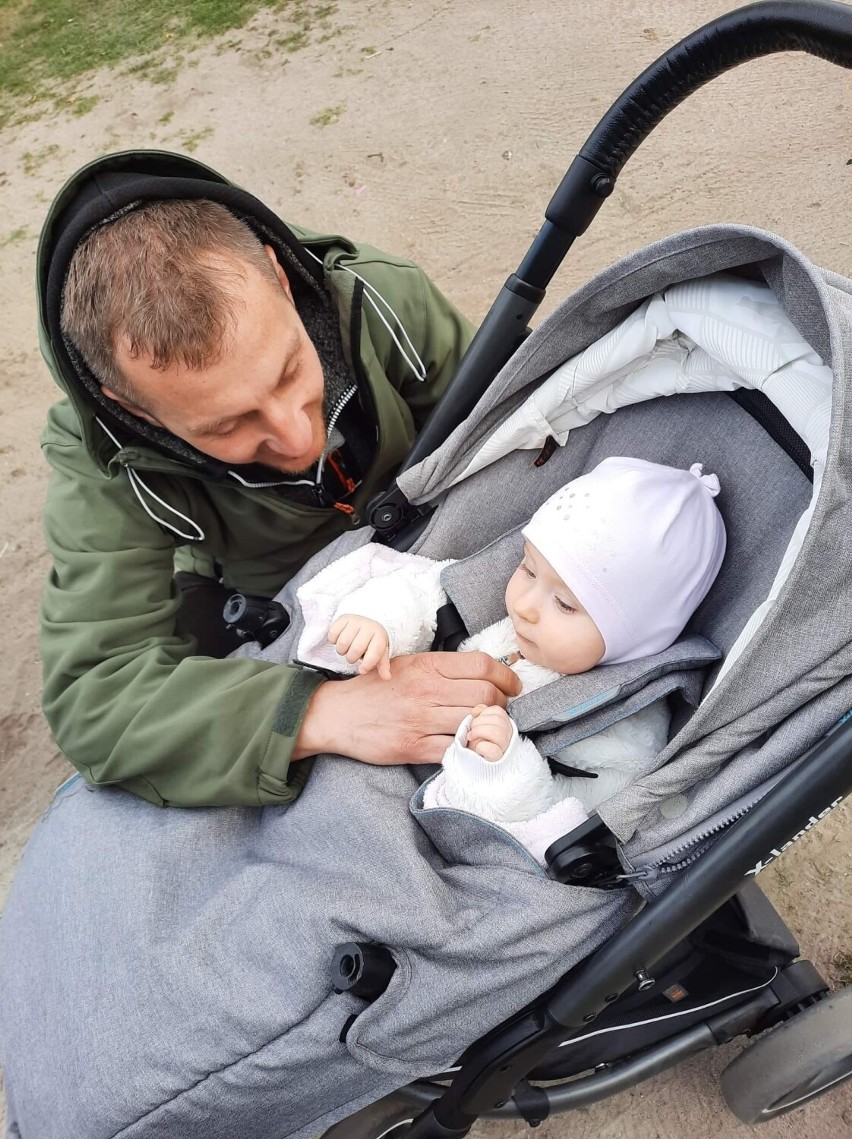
column 165, row 972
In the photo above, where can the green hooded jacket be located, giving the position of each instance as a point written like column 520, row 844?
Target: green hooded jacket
column 130, row 702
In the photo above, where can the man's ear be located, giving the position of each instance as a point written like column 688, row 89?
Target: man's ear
column 279, row 272
column 132, row 407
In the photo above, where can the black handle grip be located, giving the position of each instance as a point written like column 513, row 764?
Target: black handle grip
column 823, row 29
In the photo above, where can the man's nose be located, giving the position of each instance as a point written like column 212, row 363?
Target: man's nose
column 289, row 432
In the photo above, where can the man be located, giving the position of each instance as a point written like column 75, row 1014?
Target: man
column 238, row 390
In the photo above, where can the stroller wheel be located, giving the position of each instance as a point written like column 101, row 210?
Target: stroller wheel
column 793, row 1063
column 388, row 1118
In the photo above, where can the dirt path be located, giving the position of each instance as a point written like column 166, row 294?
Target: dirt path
column 439, row 130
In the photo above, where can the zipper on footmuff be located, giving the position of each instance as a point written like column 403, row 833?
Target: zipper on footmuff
column 674, row 859
column 683, row 856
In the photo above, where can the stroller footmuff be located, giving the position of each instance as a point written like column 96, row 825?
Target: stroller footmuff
column 197, row 969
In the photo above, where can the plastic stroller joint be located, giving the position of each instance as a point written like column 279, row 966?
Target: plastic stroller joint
column 588, row 856
column 579, row 196
column 255, row 618
column 390, row 511
column 362, row 969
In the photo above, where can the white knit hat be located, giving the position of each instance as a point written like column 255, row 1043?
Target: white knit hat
column 639, row 544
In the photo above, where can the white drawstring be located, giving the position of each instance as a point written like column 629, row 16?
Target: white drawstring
column 419, row 369
column 265, row 485
column 138, row 484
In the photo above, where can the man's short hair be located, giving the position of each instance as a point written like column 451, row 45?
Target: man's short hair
column 161, row 276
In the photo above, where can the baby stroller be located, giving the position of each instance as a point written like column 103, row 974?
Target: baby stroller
column 624, row 1015
column 213, row 1002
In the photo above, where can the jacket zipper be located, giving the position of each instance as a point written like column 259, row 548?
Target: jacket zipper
column 670, row 863
column 335, row 415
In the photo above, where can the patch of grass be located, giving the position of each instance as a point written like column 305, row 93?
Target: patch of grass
column 190, row 141
column 155, row 69
column 14, row 237
column 47, row 43
column 842, row 963
column 343, row 72
column 328, row 116
column 31, row 162
column 83, row 105
column 165, row 119
column 295, row 41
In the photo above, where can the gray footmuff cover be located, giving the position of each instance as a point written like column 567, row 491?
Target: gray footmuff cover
column 166, row 973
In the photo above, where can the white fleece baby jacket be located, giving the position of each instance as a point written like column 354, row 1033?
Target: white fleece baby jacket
column 403, row 593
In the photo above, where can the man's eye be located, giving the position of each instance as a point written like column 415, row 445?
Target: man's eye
column 564, row 606
column 224, row 434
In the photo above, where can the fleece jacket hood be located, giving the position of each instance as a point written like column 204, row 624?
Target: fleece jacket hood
column 101, row 192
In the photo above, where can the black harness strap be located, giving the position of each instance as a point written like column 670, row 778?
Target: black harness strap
column 557, row 767
column 450, row 630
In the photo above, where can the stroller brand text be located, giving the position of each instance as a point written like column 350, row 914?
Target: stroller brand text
column 776, row 852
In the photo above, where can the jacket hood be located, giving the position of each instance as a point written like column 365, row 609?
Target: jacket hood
column 116, row 183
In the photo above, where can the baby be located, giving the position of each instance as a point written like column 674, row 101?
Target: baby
column 614, row 565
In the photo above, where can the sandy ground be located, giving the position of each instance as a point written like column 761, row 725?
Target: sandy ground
column 450, row 125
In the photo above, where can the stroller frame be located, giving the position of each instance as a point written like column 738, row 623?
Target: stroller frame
column 714, row 921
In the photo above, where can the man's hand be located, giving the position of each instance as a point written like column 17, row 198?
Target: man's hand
column 360, row 639
column 490, row 733
column 410, row 718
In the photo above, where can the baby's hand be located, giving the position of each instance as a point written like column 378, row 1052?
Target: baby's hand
column 490, row 733
column 360, row 639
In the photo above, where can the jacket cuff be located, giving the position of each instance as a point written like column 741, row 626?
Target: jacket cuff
column 277, row 784
column 475, row 771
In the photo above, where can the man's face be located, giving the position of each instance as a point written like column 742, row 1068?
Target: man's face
column 262, row 402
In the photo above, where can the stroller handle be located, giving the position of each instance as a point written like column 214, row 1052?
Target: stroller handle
column 819, row 27
column 823, row 29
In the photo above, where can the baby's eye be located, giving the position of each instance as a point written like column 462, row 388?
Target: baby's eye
column 564, row 606
column 527, row 570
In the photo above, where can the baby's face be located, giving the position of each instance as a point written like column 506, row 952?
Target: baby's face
column 553, row 629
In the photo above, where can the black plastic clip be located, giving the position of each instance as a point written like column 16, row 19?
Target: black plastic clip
column 588, row 856
column 391, row 512
column 255, row 618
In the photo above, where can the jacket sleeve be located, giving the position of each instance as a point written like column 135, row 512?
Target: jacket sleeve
column 508, row 790
column 517, row 792
column 405, row 603
column 128, row 700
